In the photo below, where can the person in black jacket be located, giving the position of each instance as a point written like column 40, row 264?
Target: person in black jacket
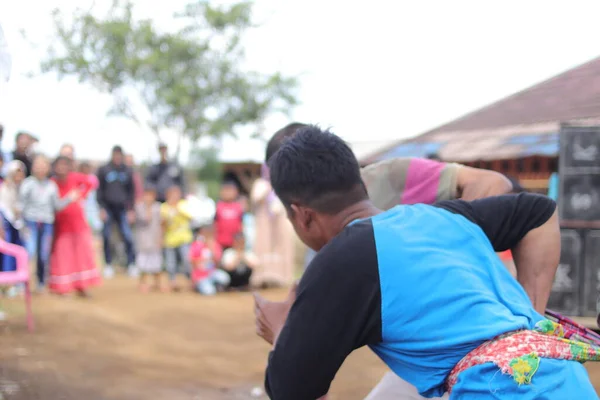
column 165, row 174
column 115, row 196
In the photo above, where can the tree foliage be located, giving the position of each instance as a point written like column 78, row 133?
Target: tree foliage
column 191, row 80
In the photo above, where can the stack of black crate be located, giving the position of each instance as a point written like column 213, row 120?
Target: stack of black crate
column 576, row 287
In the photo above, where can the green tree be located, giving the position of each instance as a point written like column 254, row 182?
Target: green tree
column 190, row 81
column 208, row 169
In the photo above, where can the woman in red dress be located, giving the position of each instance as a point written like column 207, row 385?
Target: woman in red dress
column 73, row 261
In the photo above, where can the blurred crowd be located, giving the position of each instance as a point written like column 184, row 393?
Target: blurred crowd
column 172, row 238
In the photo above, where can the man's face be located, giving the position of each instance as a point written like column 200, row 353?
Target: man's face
column 117, row 158
column 164, row 153
column 23, row 142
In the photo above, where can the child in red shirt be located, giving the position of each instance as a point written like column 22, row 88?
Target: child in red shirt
column 229, row 215
column 205, row 257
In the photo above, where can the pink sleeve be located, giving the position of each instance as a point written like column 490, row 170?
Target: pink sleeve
column 422, row 181
column 93, row 179
column 84, row 182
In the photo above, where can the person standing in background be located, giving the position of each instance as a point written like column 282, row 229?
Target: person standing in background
column 138, row 182
column 178, row 236
column 229, row 215
column 67, row 150
column 72, row 260
column 23, row 151
column 274, row 240
column 115, row 196
column 38, row 203
column 165, row 175
column 9, row 207
column 149, row 239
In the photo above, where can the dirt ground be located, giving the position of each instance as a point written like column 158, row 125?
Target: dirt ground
column 124, row 345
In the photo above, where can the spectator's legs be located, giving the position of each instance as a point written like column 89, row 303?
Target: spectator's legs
column 221, row 278
column 127, row 235
column 45, row 246
column 240, row 277
column 171, row 262
column 206, row 287
column 184, row 254
column 109, row 272
column 31, row 244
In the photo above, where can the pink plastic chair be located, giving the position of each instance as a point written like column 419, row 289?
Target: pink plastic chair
column 21, row 275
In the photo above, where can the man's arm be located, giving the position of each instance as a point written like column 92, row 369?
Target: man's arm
column 410, row 180
column 101, row 188
column 181, row 178
column 337, row 310
column 528, row 225
column 474, row 183
column 130, row 189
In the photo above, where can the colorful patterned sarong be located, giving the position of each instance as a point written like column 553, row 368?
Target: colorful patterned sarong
column 518, row 353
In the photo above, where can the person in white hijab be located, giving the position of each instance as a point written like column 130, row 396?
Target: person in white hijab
column 9, row 192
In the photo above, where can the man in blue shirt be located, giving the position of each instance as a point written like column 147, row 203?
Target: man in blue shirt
column 378, row 276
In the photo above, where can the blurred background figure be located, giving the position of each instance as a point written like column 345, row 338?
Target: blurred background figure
column 178, row 235
column 11, row 218
column 23, row 151
column 165, row 174
column 274, row 240
column 148, row 239
column 205, row 258
column 239, row 263
column 91, row 208
column 72, row 260
column 39, row 201
column 116, row 197
column 138, row 182
column 229, row 214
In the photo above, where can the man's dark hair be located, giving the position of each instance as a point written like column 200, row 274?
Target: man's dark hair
column 317, row 169
column 280, row 136
column 117, row 149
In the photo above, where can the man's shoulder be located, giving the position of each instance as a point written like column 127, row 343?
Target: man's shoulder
column 349, row 245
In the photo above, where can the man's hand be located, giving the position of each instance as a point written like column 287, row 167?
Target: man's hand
column 476, row 183
column 131, row 216
column 271, row 315
column 103, row 215
column 74, row 195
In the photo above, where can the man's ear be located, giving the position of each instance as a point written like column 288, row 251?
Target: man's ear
column 302, row 215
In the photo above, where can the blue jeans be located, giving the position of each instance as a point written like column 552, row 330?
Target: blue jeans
column 39, row 243
column 118, row 215
column 208, row 285
column 11, row 235
column 176, row 260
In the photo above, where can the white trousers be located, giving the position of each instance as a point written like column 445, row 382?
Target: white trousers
column 392, row 387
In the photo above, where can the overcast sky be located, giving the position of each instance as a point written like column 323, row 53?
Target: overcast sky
column 377, row 70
